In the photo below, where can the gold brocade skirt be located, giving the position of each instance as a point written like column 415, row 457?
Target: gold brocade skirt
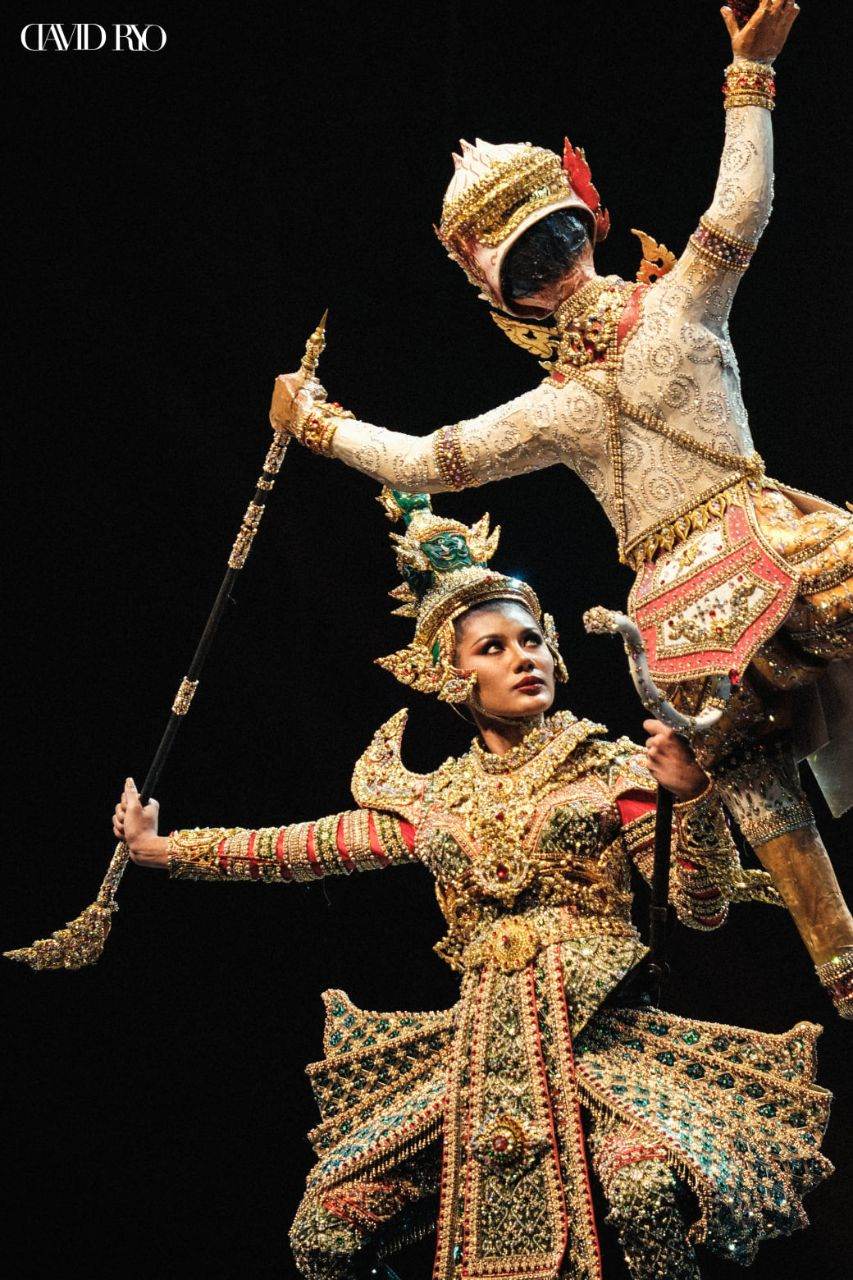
column 819, row 544
column 800, row 681
column 496, row 1096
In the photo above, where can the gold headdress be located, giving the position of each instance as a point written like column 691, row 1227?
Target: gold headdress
column 444, row 568
column 498, row 192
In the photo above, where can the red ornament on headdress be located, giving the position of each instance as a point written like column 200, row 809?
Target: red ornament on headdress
column 579, row 175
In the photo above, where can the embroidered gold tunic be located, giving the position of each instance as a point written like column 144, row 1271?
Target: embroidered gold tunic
column 489, row 1105
column 681, row 422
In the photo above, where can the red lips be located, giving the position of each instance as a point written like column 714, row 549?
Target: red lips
column 529, row 683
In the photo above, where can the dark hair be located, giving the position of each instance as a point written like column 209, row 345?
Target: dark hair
column 544, row 253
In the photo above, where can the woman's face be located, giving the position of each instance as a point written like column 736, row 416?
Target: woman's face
column 505, row 646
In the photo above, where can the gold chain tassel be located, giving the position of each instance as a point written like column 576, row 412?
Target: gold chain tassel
column 83, row 939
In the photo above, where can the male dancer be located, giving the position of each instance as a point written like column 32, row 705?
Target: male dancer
column 738, row 577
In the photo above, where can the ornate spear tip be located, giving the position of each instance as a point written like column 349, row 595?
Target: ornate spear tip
column 314, row 347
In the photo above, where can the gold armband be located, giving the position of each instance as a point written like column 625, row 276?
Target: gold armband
column 749, row 84
column 192, row 852
column 706, row 866
column 198, row 843
column 450, row 460
column 720, row 248
column 315, row 427
column 837, row 976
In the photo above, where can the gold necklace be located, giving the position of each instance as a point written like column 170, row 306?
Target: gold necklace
column 501, row 794
column 587, row 323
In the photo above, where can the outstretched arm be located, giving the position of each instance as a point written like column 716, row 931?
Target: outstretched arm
column 520, row 436
column 720, row 249
column 359, row 840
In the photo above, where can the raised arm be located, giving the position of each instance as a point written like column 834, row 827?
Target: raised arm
column 358, row 840
column 721, row 247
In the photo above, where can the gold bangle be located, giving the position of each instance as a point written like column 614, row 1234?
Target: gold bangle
column 316, row 427
column 450, row 459
column 749, row 84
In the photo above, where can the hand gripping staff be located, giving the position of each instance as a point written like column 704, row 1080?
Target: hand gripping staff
column 602, row 621
column 82, row 940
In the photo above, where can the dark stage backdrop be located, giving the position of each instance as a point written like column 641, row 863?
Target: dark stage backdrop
column 179, row 222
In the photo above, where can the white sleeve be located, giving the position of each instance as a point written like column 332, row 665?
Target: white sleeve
column 515, row 438
column 720, row 249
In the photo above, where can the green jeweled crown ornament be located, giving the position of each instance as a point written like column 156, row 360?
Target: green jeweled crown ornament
column 444, row 565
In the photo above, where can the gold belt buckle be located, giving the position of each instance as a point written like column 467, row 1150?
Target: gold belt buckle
column 513, row 943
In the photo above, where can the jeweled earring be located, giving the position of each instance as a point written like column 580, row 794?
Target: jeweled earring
column 458, row 687
column 553, row 642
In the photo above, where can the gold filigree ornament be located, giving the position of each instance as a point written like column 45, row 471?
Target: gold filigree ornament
column 502, row 872
column 503, row 1141
column 512, row 944
column 539, row 339
column 417, row 667
column 657, row 259
column 552, row 639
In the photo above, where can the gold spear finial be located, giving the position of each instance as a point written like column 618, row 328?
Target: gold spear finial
column 314, row 348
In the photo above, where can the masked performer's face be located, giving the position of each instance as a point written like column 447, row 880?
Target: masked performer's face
column 504, row 645
column 547, row 264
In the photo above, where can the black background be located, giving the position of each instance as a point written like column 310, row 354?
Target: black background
column 179, row 222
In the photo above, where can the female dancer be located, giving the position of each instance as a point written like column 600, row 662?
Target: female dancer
column 739, row 578
column 486, row 1121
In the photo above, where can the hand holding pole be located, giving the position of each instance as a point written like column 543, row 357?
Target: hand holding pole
column 603, row 621
column 82, row 940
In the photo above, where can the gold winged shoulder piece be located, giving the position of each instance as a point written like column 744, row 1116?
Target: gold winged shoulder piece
column 380, row 780
column 538, row 339
column 657, row 259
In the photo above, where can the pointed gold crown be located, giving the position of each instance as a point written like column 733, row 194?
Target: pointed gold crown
column 444, row 567
column 498, row 191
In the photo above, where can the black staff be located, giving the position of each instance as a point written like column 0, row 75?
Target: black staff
column 83, row 939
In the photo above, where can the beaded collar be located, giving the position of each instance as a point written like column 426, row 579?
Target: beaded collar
column 539, row 737
column 575, row 305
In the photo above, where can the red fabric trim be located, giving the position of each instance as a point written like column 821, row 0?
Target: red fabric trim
column 375, row 843
column 343, row 853
column 633, row 805
column 254, row 868
column 579, row 1129
column 407, row 831
column 744, row 554
column 283, row 869
column 221, row 857
column 630, row 314
column 547, row 1098
column 311, row 853
column 467, row 1126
